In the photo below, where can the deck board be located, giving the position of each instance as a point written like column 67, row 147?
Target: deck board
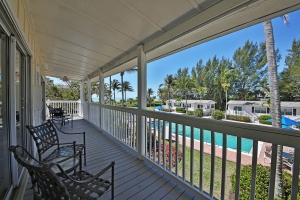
column 134, row 179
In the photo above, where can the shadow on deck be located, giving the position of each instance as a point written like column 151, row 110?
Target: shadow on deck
column 134, row 179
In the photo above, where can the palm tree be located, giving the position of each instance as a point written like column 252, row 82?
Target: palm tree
column 168, row 83
column 183, row 83
column 264, row 87
column 127, row 88
column 275, row 101
column 129, row 71
column 225, row 79
column 150, row 92
column 161, row 92
column 115, row 86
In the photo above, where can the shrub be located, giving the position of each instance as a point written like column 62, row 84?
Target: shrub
column 217, row 114
column 199, row 112
column 263, row 119
column 190, row 112
column 180, row 110
column 238, row 118
column 262, row 182
column 166, row 152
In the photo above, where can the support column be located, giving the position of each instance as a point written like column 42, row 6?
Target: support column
column 12, row 104
column 89, row 97
column 142, row 101
column 81, row 98
column 101, row 99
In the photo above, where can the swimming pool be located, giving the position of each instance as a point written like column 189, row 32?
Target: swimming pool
column 231, row 140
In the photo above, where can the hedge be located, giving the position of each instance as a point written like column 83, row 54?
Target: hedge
column 180, row 110
column 263, row 119
column 217, row 114
column 262, row 182
column 238, row 118
column 190, row 112
column 199, row 113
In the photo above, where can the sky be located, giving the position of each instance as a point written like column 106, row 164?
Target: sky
column 224, row 46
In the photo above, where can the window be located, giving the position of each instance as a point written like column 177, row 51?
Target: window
column 199, row 106
column 189, row 105
column 287, row 111
column 212, row 106
column 177, row 104
column 238, row 108
column 170, row 104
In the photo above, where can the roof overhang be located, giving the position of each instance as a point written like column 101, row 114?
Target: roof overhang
column 78, row 38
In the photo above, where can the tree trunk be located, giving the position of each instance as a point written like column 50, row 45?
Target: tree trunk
column 186, row 106
column 115, row 96
column 122, row 73
column 275, row 101
column 226, row 106
column 110, row 89
column 169, row 99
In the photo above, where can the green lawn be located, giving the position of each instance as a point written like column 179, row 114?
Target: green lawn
column 150, row 108
column 230, row 169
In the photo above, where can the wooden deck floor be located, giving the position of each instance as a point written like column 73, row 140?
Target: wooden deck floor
column 134, row 179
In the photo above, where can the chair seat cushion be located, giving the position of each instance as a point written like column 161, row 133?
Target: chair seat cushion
column 64, row 151
column 90, row 190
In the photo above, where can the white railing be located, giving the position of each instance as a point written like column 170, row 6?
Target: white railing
column 68, row 107
column 121, row 124
column 197, row 148
column 94, row 113
column 242, row 113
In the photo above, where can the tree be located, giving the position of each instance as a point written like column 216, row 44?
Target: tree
column 249, row 64
column 162, row 93
column 264, row 85
column 275, row 102
column 225, row 82
column 168, row 83
column 150, row 92
column 127, row 88
column 289, row 83
column 129, row 71
column 115, row 86
column 183, row 83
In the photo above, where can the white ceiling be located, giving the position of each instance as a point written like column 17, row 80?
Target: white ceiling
column 76, row 38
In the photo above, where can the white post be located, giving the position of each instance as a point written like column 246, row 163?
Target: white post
column 89, row 97
column 142, row 101
column 101, row 98
column 12, row 105
column 81, row 98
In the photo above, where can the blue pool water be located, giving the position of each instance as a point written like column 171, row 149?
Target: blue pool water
column 231, row 140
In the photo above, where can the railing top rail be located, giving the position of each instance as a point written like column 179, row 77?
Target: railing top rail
column 256, row 132
column 58, row 101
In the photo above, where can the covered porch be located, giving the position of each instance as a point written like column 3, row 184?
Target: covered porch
column 158, row 155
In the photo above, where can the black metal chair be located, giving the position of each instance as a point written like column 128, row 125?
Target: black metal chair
column 48, row 185
column 46, row 138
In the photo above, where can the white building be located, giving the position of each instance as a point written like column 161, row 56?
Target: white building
column 255, row 109
column 207, row 105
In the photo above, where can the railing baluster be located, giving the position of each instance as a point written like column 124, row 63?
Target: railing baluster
column 159, row 146
column 183, row 152
column 146, row 129
column 238, row 167
column 154, row 130
column 170, row 146
column 212, row 168
column 295, row 172
column 150, row 139
column 192, row 157
column 254, row 165
column 273, row 171
column 224, row 161
column 164, row 143
column 177, row 137
column 201, row 160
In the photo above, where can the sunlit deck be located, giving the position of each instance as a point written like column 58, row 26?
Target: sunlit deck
column 134, row 179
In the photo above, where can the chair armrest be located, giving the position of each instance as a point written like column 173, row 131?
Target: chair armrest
column 51, row 121
column 65, row 143
column 14, row 149
column 87, row 180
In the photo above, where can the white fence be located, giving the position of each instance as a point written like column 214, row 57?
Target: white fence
column 195, row 150
column 253, row 118
column 68, row 107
